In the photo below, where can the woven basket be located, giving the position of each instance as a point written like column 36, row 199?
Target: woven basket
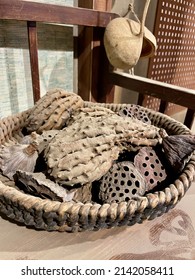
column 71, row 216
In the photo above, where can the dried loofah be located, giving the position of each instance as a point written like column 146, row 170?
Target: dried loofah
column 84, row 151
column 87, row 113
column 177, row 150
column 150, row 166
column 18, row 156
column 53, row 110
column 38, row 185
column 122, row 182
column 135, row 111
column 83, row 193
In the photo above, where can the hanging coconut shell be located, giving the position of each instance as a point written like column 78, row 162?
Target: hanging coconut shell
column 178, row 149
column 18, row 157
column 123, row 41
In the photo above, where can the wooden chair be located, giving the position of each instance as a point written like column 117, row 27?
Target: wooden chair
column 102, row 79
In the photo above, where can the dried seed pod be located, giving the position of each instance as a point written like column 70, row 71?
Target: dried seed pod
column 122, row 182
column 53, row 110
column 84, row 151
column 150, row 166
column 19, row 156
column 178, row 149
column 38, row 185
column 135, row 111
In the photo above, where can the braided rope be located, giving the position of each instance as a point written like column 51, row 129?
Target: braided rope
column 76, row 216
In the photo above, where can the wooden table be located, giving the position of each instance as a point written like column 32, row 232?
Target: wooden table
column 171, row 236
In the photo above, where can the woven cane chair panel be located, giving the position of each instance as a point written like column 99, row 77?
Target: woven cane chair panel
column 174, row 62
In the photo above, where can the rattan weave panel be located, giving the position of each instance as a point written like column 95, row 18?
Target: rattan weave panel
column 174, row 61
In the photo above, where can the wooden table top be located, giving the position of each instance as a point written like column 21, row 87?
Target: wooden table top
column 171, row 236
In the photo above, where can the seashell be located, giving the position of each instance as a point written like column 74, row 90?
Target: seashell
column 135, row 111
column 150, row 166
column 38, row 185
column 122, row 182
column 18, row 156
column 84, row 151
column 123, row 41
column 53, row 110
column 178, row 149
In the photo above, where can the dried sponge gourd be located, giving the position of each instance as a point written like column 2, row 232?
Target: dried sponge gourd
column 85, row 150
column 53, row 110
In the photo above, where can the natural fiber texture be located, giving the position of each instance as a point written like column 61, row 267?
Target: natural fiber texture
column 76, row 216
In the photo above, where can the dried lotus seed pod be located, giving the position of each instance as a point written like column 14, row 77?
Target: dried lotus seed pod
column 53, row 110
column 38, row 185
column 121, row 183
column 178, row 149
column 150, row 166
column 18, row 156
column 135, row 111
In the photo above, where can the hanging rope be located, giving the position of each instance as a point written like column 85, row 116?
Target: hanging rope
column 131, row 10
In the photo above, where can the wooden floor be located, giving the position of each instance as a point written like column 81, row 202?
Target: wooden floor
column 171, row 236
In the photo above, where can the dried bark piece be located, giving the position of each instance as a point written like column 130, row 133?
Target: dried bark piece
column 122, row 182
column 38, row 185
column 150, row 166
column 178, row 149
column 53, row 110
column 18, row 156
column 84, row 151
column 135, row 111
column 83, row 193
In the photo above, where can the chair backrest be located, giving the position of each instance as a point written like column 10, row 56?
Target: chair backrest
column 99, row 79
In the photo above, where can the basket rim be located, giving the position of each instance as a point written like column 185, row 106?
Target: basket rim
column 170, row 195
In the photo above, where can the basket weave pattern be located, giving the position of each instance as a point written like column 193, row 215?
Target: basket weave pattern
column 76, row 216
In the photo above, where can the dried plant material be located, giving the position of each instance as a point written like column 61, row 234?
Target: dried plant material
column 122, row 182
column 6, row 181
column 84, row 151
column 19, row 156
column 150, row 166
column 42, row 140
column 123, row 41
column 83, row 193
column 178, row 149
column 53, row 110
column 87, row 113
column 38, row 185
column 135, row 111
